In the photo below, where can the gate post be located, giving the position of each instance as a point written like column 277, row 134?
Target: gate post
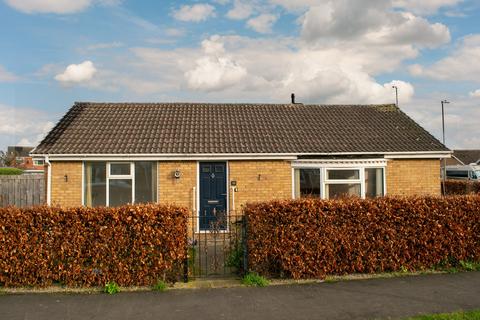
column 244, row 244
column 185, row 261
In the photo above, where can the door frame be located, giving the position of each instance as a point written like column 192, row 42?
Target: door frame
column 197, row 196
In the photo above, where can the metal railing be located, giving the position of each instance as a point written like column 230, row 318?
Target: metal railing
column 217, row 246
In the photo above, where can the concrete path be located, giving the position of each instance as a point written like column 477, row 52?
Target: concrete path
column 360, row 299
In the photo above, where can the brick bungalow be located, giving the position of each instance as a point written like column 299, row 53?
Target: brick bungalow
column 464, row 157
column 221, row 156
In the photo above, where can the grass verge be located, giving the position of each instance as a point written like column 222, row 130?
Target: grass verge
column 160, row 286
column 254, row 280
column 461, row 315
column 111, row 288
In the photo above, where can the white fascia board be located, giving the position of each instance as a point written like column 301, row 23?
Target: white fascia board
column 419, row 155
column 340, row 163
column 165, row 157
column 238, row 156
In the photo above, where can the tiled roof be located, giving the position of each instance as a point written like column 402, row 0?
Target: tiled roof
column 467, row 156
column 198, row 128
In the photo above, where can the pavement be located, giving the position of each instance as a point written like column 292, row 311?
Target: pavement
column 393, row 298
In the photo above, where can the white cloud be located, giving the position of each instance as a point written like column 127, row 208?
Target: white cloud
column 263, row 23
column 175, row 32
column 461, row 118
column 417, row 31
column 344, row 48
column 25, row 125
column 236, row 67
column 296, row 5
column 415, row 6
column 233, row 68
column 461, row 65
column 425, row 6
column 77, row 73
column 104, row 45
column 195, row 13
column 49, row 6
column 24, row 142
column 317, row 76
column 378, row 25
column 215, row 71
column 475, row 94
column 6, row 76
column 56, row 6
column 405, row 90
column 241, row 10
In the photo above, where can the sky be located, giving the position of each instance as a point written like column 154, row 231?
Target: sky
column 56, row 52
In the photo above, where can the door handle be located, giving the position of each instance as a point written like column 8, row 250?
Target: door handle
column 213, row 201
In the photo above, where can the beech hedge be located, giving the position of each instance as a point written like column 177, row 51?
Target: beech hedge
column 461, row 187
column 311, row 238
column 129, row 245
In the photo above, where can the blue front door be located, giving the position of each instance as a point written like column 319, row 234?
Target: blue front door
column 213, row 195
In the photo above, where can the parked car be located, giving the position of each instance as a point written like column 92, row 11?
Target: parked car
column 468, row 172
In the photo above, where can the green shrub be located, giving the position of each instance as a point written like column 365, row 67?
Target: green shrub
column 192, row 255
column 453, row 266
column 160, row 286
column 254, row 280
column 470, row 266
column 10, row 171
column 111, row 288
column 235, row 257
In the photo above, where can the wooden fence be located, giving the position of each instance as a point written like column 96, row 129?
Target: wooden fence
column 22, row 190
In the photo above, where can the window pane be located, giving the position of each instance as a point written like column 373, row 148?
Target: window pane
column 343, row 174
column 95, row 184
column 342, row 190
column 373, row 182
column 457, row 174
column 307, row 183
column 120, row 192
column 145, row 182
column 120, row 169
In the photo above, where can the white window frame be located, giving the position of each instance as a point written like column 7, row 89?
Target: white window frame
column 326, row 180
column 341, row 164
column 131, row 176
column 36, row 162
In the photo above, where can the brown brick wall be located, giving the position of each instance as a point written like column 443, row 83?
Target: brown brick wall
column 67, row 193
column 413, row 177
column 177, row 191
column 256, row 181
column 260, row 181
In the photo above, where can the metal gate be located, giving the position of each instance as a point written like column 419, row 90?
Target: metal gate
column 217, row 246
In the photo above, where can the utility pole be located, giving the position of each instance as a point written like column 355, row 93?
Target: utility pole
column 396, row 94
column 444, row 175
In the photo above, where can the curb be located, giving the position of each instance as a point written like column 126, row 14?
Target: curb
column 212, row 284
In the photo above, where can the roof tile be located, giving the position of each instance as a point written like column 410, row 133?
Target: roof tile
column 194, row 128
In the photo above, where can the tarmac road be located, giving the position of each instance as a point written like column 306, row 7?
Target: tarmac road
column 360, row 299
